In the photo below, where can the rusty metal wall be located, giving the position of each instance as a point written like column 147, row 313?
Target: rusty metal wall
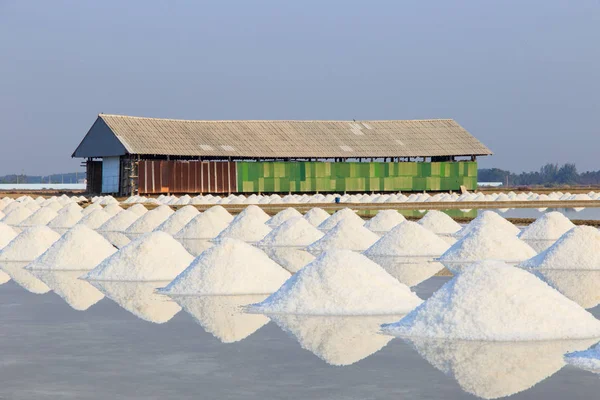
column 186, row 177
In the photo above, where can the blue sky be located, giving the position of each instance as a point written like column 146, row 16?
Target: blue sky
column 522, row 76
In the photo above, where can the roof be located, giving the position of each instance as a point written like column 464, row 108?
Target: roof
column 278, row 139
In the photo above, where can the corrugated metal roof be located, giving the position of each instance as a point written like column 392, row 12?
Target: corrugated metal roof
column 282, row 139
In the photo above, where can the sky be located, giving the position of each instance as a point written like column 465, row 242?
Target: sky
column 521, row 76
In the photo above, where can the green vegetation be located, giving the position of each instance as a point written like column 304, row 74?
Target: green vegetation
column 71, row 177
column 548, row 175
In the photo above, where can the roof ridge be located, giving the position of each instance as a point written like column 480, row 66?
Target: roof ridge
column 273, row 120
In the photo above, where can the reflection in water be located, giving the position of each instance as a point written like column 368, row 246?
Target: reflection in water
column 195, row 246
column 337, row 340
column 117, row 239
column 290, row 258
column 222, row 316
column 588, row 360
column 497, row 369
column 409, row 270
column 4, row 277
column 77, row 293
column 583, row 287
column 140, row 299
column 16, row 270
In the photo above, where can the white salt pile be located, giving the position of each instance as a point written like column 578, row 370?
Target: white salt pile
column 494, row 301
column 120, row 222
column 583, row 287
column 40, row 217
column 231, row 267
column 153, row 257
column 384, row 221
column 588, row 360
column 249, row 226
column 408, row 239
column 206, row 225
column 340, row 282
column 91, row 208
column 290, row 258
column 80, row 248
column 66, row 219
column 348, row 234
column 95, row 219
column 295, row 231
column 223, row 316
column 150, row 220
column 283, row 216
column 117, row 239
column 77, row 293
column 178, row 220
column 24, row 278
column 439, row 223
column 577, row 249
column 489, row 219
column 486, row 243
column 71, row 207
column 139, row 209
column 112, row 209
column 338, row 216
column 316, row 216
column 7, row 234
column 16, row 216
column 549, row 226
column 29, row 244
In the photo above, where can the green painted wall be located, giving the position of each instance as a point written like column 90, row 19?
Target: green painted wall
column 286, row 177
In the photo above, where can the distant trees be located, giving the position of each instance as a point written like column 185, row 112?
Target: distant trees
column 548, row 175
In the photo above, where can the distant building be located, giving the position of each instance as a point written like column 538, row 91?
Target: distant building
column 128, row 155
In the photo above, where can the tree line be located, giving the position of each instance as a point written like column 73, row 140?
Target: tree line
column 71, row 177
column 548, row 175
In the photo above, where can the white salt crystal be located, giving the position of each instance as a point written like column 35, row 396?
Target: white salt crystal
column 583, row 287
column 178, row 220
column 7, row 234
column 29, row 244
column 80, row 248
column 16, row 216
column 439, row 223
column 295, row 231
column 112, row 209
column 41, row 217
column 408, row 239
column 71, row 207
column 231, row 267
column 290, row 258
column 316, row 216
column 77, row 293
column 338, row 216
column 117, row 239
column 249, row 226
column 155, row 256
column 348, row 234
column 588, row 360
column 120, row 222
column 340, row 282
column 384, row 221
column 95, row 219
column 549, row 226
column 494, row 301
column 139, row 209
column 492, row 220
column 66, row 219
column 91, row 208
column 24, row 278
column 283, row 216
column 206, row 225
column 150, row 220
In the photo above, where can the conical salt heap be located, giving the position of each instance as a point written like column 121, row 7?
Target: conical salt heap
column 155, row 256
column 439, row 223
column 316, row 216
column 549, row 226
column 29, row 244
column 384, row 221
column 120, row 222
column 489, row 219
column 95, row 219
column 16, row 216
column 486, row 243
column 40, row 217
column 588, row 360
column 581, row 286
column 575, row 250
column 7, row 234
column 67, row 219
column 138, row 209
column 340, row 282
column 178, row 220
column 348, row 234
column 223, row 316
column 112, row 209
column 409, row 239
column 206, row 225
column 282, row 216
column 77, row 293
column 150, row 220
column 249, row 226
column 338, row 216
column 295, row 231
column 91, row 208
column 232, row 267
column 494, row 301
column 71, row 207
column 24, row 278
column 80, row 248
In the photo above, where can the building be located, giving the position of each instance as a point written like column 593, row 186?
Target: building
column 126, row 155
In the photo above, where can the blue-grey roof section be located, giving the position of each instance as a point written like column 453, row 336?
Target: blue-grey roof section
column 100, row 141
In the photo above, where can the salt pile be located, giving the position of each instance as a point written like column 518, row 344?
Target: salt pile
column 232, row 267
column 249, row 226
column 178, row 220
column 334, row 339
column 41, row 217
column 550, row 226
column 588, row 360
column 117, row 239
column 583, row 287
column 494, row 301
column 316, row 216
column 489, row 219
column 439, row 223
column 295, row 231
column 24, row 278
column 91, row 208
column 77, row 293
column 95, row 219
column 112, row 209
column 80, row 248
column 206, row 225
column 223, row 316
column 138, row 209
column 120, row 222
column 408, row 239
column 290, row 258
column 66, row 219
column 338, row 216
column 577, row 249
column 486, row 243
column 7, row 234
column 348, row 234
column 4, row 277
column 384, row 221
column 340, row 282
column 153, row 257
column 71, row 207
column 150, row 220
column 16, row 216
column 283, row 216
column 29, row 244
column 196, row 246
